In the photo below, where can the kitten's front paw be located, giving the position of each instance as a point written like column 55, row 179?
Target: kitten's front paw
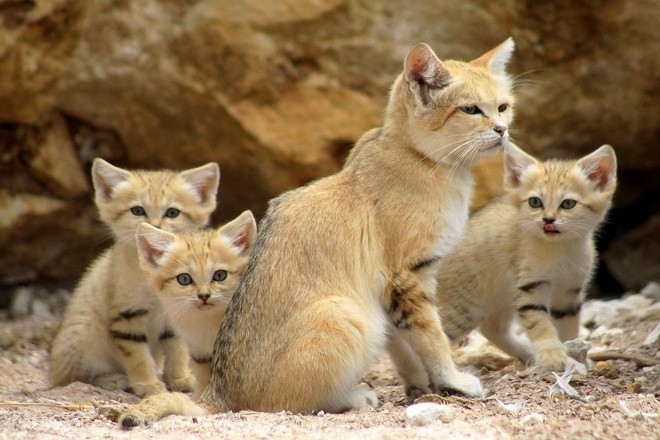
column 183, row 384
column 364, row 398
column 148, row 389
column 552, row 359
column 462, row 383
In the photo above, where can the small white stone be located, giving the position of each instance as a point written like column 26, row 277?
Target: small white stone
column 653, row 337
column 422, row 414
column 652, row 290
column 532, row 419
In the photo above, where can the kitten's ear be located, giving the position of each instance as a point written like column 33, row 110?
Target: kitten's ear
column 241, row 232
column 497, row 59
column 425, row 73
column 153, row 244
column 600, row 167
column 204, row 181
column 517, row 164
column 106, row 177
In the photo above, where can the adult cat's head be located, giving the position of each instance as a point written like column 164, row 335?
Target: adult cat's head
column 454, row 112
column 165, row 199
column 560, row 199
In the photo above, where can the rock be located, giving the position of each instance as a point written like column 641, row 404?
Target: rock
column 651, row 290
column 653, row 337
column 532, row 419
column 422, row 414
column 577, row 349
column 277, row 92
column 20, row 305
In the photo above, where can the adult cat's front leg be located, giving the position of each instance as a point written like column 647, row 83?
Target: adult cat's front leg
column 417, row 323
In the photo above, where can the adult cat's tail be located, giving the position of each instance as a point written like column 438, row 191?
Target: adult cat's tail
column 155, row 407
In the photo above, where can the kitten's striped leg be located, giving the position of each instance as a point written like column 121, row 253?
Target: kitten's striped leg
column 532, row 304
column 417, row 322
column 129, row 333
column 175, row 371
column 201, row 368
column 409, row 367
column 497, row 328
column 565, row 312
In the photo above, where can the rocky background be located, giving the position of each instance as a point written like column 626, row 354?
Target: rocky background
column 278, row 91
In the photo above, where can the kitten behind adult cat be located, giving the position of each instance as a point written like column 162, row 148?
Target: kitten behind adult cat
column 114, row 330
column 195, row 275
column 530, row 255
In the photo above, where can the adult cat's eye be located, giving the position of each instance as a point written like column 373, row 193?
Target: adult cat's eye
column 172, row 213
column 471, row 110
column 568, row 204
column 502, row 108
column 535, row 202
column 138, row 211
column 184, row 279
column 220, row 275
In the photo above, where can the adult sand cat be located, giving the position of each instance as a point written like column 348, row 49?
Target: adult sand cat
column 344, row 262
column 114, row 328
column 530, row 255
column 195, row 274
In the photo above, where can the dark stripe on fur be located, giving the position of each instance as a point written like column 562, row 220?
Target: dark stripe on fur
column 167, row 334
column 559, row 314
column 202, row 360
column 135, row 337
column 537, row 307
column 130, row 314
column 533, row 285
column 425, row 263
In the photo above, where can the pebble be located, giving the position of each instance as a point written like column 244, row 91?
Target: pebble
column 532, row 419
column 652, row 290
column 653, row 337
column 20, row 304
column 577, row 349
column 422, row 414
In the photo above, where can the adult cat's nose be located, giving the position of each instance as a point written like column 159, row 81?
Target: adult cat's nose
column 204, row 296
column 549, row 220
column 500, row 129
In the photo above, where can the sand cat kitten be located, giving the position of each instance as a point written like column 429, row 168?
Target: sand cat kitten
column 114, row 329
column 530, row 255
column 346, row 261
column 195, row 275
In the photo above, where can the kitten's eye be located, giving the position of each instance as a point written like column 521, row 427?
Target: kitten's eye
column 568, row 204
column 535, row 202
column 220, row 275
column 502, row 108
column 184, row 279
column 172, row 213
column 471, row 109
column 138, row 211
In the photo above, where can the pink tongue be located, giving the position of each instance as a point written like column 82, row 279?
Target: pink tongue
column 550, row 228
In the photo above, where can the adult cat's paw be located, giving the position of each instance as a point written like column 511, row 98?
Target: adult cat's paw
column 461, row 383
column 143, row 389
column 183, row 384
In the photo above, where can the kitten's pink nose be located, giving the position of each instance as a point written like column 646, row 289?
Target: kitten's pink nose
column 203, row 296
column 500, row 129
column 548, row 220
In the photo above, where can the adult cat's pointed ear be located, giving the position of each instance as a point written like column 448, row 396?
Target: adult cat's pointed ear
column 106, row 177
column 241, row 232
column 425, row 73
column 203, row 180
column 153, row 244
column 600, row 167
column 497, row 59
column 517, row 164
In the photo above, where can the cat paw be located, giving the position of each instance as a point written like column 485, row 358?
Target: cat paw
column 363, row 398
column 552, row 359
column 148, row 389
column 183, row 384
column 132, row 418
column 460, row 383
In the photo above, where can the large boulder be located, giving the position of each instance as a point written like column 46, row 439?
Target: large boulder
column 277, row 92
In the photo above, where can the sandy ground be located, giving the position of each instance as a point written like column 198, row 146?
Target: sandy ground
column 618, row 398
